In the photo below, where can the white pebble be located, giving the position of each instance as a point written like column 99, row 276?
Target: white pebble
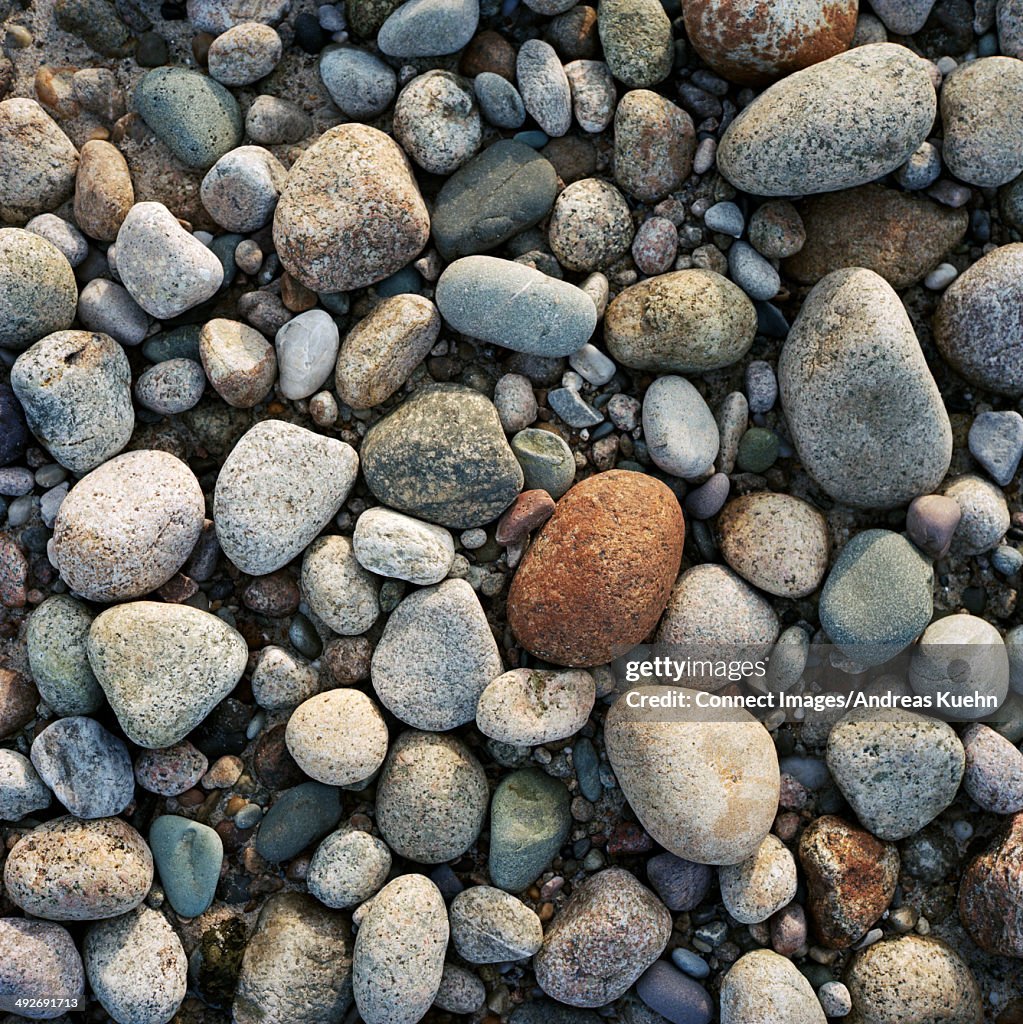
column 941, row 277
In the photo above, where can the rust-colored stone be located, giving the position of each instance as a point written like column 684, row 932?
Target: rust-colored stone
column 897, row 235
column 851, row 878
column 599, row 573
column 488, row 51
column 528, row 511
column 991, row 895
column 103, row 191
column 18, row 699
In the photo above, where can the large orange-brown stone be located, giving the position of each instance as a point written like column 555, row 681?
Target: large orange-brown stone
column 599, row 574
column 991, row 895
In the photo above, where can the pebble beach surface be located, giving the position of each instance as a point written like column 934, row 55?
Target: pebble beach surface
column 375, row 376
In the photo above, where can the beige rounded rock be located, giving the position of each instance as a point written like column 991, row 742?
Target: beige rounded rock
column 244, row 53
column 775, row 541
column 103, row 190
column 704, row 782
column 240, row 363
column 590, row 226
column 128, row 526
column 72, row 870
column 338, row 589
column 337, row 737
column 755, row 888
column 766, row 988
column 527, row 706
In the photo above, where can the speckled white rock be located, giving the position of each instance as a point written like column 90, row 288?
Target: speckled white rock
column 244, row 54
column 136, row 967
column 282, row 679
column 767, row 988
column 985, row 514
column 680, row 430
column 164, row 667
column 437, row 121
column 166, row 270
column 527, row 707
column 593, row 93
column 21, row 789
column 348, row 867
column 703, row 782
column 306, row 353
column 399, row 952
column 755, row 888
column 337, row 588
column 37, row 960
column 491, row 926
column 240, row 363
column 279, row 486
column 391, row 544
column 435, row 657
column 544, row 86
column 128, row 526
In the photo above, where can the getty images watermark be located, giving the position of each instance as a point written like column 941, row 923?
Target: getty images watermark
column 801, row 681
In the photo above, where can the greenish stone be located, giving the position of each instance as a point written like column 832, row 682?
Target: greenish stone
column 57, row 655
column 195, row 117
column 223, row 247
column 302, row 634
column 177, row 343
column 188, row 856
column 407, row 281
column 546, row 460
column 529, row 820
column 299, row 817
column 95, row 22
column 758, row 450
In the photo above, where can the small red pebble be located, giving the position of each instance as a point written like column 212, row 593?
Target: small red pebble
column 786, row 825
column 629, row 838
column 529, row 510
column 793, row 795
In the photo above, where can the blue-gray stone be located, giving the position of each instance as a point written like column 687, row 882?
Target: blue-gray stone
column 692, row 963
column 674, row 995
column 223, row 247
column 534, row 138
column 429, row 28
column 1007, row 560
column 188, row 856
column 571, row 407
column 771, row 320
column 726, row 219
column 360, row 83
column 752, row 273
column 996, row 442
column 499, row 100
column 193, row 115
column 298, row 817
column 681, row 884
column 177, row 343
column 706, row 501
column 407, row 281
column 546, row 460
column 587, row 769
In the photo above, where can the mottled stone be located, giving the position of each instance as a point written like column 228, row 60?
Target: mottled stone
column 544, row 87
column 767, row 988
column 637, row 41
column 490, row 926
column 240, row 363
column 590, row 226
column 244, row 54
column 527, row 707
column 428, row 28
column 359, row 82
column 38, row 293
column 763, row 883
column 103, row 190
column 437, row 122
column 22, row 792
column 654, row 145
column 348, row 867
column 37, row 961
column 240, row 191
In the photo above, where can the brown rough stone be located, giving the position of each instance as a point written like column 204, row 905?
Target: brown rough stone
column 275, row 595
column 103, row 190
column 897, row 235
column 18, row 699
column 851, row 877
column 13, row 573
column 530, row 510
column 599, row 574
column 991, row 895
column 654, row 145
column 488, row 51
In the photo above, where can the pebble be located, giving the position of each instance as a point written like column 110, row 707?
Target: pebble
column 22, row 791
column 851, row 879
column 680, row 430
column 106, row 554
column 941, row 277
column 106, row 307
column 442, row 456
column 428, row 28
column 18, row 700
column 163, row 667
column 239, row 362
column 37, row 288
column 962, row 650
column 13, row 429
column 673, row 995
column 866, row 418
column 188, row 856
column 326, row 243
column 563, row 603
column 776, row 229
column 244, row 54
column 752, row 273
column 348, row 867
column 981, row 144
column 977, row 322
column 359, row 82
column 515, row 402
column 490, row 926
column 763, row 986
column 610, row 931
column 897, row 235
column 271, row 121
column 298, row 817
column 788, row 140
column 527, row 707
column 278, row 488
column 171, row 771
column 751, row 45
column 910, row 777
column 460, row 991
column 593, row 94
column 195, row 117
column 399, row 951
column 293, row 929
column 38, row 162
column 87, row 768
column 725, row 218
column 655, row 246
column 689, row 962
column 307, row 349
column 1010, row 28
column 381, row 351
column 37, row 958
column 544, row 87
column 681, row 884
column 672, row 783
column 922, row 169
column 931, row 522
column 755, row 888
column 240, row 191
column 637, row 41
column 390, row 544
column 72, row 870
column 165, row 269
column 56, row 641
column 590, row 226
column 440, row 635
column 911, row 977
column 515, row 306
column 337, row 737
column 985, row 514
column 437, row 122
column 171, row 387
column 62, row 234
column 337, row 588
column 571, row 408
column 546, row 460
column 283, row 680
column 431, row 797
column 654, row 142
column 500, row 102
column 994, row 770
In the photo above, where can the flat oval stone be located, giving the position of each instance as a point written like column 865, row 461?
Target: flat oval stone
column 897, row 235
column 637, row 41
column 846, row 121
column 75, row 389
column 399, row 952
column 350, row 213
column 390, row 544
column 172, row 770
column 278, row 488
column 429, row 28
column 490, row 926
column 680, row 430
column 978, row 326
column 348, row 867
column 128, row 526
column 599, row 573
column 306, row 353
column 763, row 986
column 21, row 789
column 504, row 190
column 610, row 931
column 195, row 117
column 72, row 870
column 38, row 294
column 338, row 589
column 164, row 667
column 688, row 321
column 188, row 855
column 703, row 782
column 36, row 959
column 866, row 417
column 298, row 817
column 244, row 54
column 442, row 456
column 752, row 45
column 526, row 707
column 512, row 305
